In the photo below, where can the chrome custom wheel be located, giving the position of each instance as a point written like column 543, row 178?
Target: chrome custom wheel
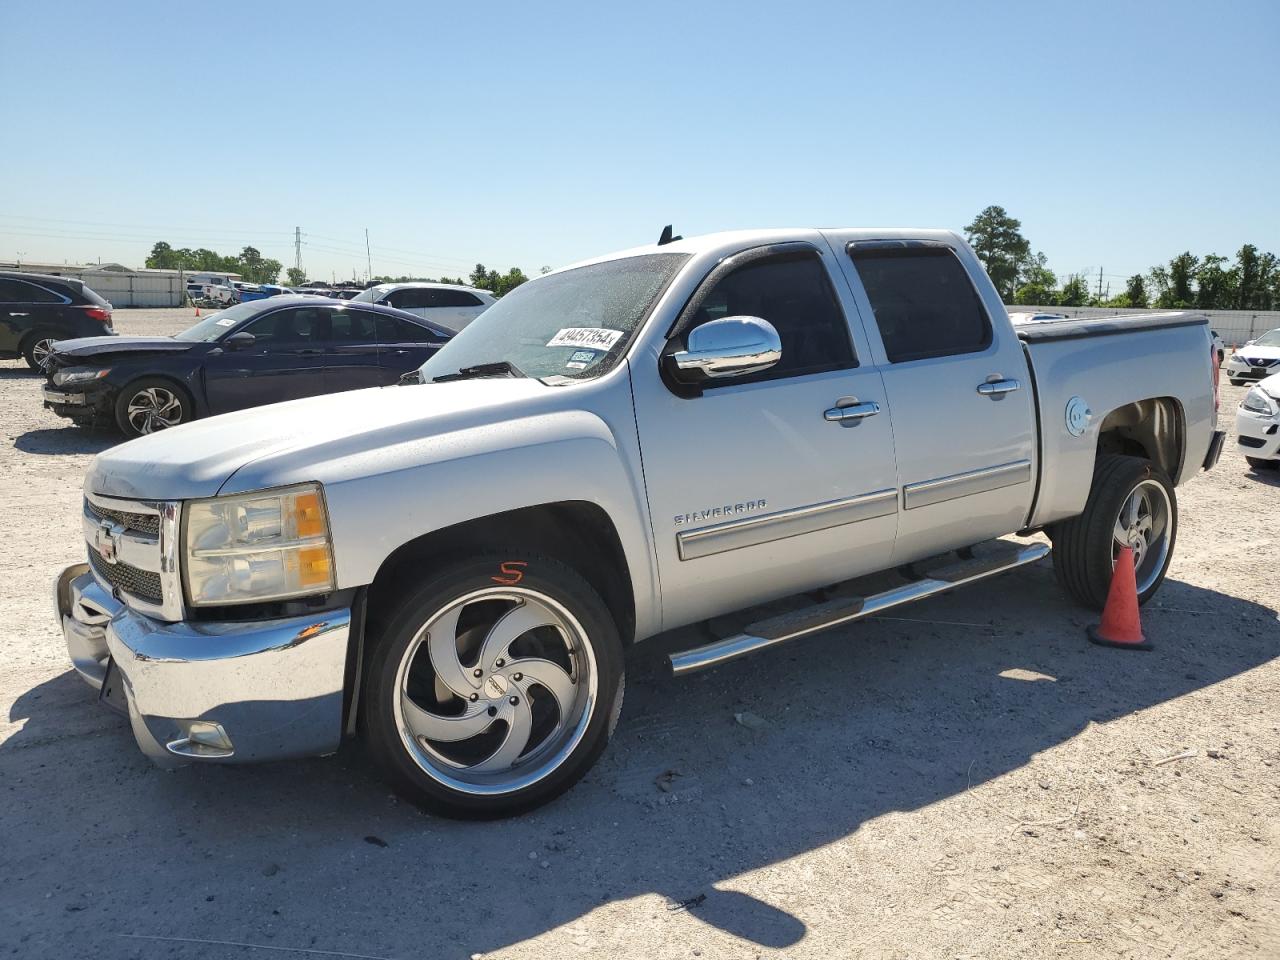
column 493, row 686
column 495, row 691
column 1143, row 523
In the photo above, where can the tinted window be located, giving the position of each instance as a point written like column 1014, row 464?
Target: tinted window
column 300, row 325
column 425, row 297
column 16, row 291
column 352, row 326
column 924, row 302
column 399, row 330
column 456, row 298
column 792, row 292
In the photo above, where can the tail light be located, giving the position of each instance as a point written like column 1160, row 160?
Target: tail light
column 1217, row 393
column 101, row 314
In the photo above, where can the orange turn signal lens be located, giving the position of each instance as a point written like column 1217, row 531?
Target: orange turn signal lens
column 315, row 569
column 308, row 515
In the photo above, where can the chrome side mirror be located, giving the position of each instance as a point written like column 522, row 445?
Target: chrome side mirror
column 728, row 347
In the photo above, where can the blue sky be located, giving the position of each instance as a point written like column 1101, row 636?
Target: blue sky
column 529, row 134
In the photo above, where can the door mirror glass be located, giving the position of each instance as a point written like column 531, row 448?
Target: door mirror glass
column 240, row 341
column 728, row 347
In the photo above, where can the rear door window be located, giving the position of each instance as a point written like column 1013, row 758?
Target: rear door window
column 924, row 303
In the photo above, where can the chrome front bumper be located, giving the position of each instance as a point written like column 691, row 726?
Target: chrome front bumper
column 219, row 692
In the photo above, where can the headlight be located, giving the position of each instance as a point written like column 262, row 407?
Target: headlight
column 269, row 545
column 64, row 377
column 1255, row 401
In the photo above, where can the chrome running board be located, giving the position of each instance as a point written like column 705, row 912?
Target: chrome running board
column 820, row 616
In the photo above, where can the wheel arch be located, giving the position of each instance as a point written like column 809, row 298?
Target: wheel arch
column 577, row 532
column 1154, row 428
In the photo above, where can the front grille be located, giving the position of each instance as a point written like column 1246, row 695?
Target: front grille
column 130, row 580
column 141, row 522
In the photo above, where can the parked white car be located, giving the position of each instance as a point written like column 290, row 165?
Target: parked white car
column 445, row 304
column 1256, row 359
column 1258, row 423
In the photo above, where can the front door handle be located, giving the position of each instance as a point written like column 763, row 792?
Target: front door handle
column 14, row 313
column 849, row 412
column 995, row 389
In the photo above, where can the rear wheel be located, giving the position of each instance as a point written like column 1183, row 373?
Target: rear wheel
column 152, row 404
column 37, row 351
column 493, row 686
column 1131, row 503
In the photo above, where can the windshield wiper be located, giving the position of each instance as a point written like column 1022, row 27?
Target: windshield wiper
column 498, row 368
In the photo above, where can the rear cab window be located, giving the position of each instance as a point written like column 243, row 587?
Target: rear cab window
column 923, row 301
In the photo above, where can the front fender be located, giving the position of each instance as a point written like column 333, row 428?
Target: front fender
column 382, row 499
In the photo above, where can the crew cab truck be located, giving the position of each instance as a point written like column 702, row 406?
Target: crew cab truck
column 451, row 568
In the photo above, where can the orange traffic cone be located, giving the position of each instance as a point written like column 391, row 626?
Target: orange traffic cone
column 1120, row 626
column 197, row 309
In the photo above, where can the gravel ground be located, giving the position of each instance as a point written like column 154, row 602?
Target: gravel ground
column 971, row 779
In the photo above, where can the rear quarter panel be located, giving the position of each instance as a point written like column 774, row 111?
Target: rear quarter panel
column 1109, row 372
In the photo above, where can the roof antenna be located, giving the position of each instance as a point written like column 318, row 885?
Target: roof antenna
column 667, row 237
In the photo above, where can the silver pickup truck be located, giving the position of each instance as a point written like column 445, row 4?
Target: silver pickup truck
column 452, row 567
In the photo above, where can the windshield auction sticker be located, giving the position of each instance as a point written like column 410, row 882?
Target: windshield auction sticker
column 225, row 322
column 597, row 338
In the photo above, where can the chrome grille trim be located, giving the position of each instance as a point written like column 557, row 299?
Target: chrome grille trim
column 133, row 583
column 141, row 522
column 154, row 554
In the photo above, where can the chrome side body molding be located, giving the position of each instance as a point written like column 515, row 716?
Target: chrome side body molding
column 821, row 616
column 928, row 492
column 751, row 531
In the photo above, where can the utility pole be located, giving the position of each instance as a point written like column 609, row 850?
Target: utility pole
column 1099, row 283
column 297, row 249
column 368, row 257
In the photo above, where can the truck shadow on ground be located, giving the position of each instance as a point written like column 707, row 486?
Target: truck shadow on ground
column 888, row 715
column 69, row 439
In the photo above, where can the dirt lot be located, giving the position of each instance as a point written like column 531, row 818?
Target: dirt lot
column 971, row 779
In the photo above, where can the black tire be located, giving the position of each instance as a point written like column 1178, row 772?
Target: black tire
column 133, row 426
column 394, row 632
column 1082, row 546
column 1237, row 383
column 1260, row 464
column 35, row 347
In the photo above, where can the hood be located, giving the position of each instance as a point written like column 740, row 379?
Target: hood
column 1270, row 386
column 1259, row 352
column 87, row 347
column 197, row 459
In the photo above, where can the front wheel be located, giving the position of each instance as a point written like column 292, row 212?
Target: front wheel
column 1237, row 383
column 151, row 404
column 1260, row 464
column 493, row 686
column 1131, row 503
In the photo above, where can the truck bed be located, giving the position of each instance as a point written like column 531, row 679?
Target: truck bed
column 1112, row 363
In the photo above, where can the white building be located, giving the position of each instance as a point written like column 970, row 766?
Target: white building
column 123, row 286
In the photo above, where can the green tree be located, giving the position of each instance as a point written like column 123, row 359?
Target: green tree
column 1215, row 286
column 163, row 257
column 1075, row 292
column 1182, row 271
column 995, row 238
column 1136, row 291
column 1037, row 283
column 295, row 276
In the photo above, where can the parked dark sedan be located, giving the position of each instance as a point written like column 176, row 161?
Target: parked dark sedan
column 254, row 353
column 36, row 310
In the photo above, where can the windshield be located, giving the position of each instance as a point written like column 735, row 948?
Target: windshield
column 1269, row 339
column 576, row 324
column 215, row 324
column 372, row 295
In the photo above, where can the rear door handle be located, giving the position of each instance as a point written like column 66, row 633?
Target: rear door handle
column 14, row 313
column 849, row 412
column 995, row 389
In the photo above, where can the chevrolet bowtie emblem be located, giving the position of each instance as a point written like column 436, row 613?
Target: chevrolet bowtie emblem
column 106, row 540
